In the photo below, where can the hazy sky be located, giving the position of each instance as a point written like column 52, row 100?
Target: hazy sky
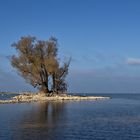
column 101, row 36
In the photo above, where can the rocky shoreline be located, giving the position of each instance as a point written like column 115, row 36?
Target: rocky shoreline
column 32, row 97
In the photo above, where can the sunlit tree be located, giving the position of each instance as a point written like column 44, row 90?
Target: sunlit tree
column 36, row 61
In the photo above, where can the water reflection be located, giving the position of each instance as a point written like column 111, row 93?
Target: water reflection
column 117, row 118
column 41, row 121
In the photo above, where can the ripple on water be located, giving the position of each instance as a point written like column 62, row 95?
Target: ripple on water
column 114, row 119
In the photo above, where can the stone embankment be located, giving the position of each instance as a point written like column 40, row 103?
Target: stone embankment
column 31, row 97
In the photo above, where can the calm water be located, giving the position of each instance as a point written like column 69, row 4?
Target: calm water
column 114, row 119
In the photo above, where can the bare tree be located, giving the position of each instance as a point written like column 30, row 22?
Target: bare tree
column 37, row 60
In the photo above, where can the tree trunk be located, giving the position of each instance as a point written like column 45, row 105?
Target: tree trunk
column 44, row 79
column 44, row 88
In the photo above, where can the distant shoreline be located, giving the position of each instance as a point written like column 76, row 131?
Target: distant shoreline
column 8, row 92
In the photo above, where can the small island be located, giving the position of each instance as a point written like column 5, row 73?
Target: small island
column 38, row 63
column 39, row 97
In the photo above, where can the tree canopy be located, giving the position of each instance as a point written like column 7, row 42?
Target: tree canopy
column 37, row 62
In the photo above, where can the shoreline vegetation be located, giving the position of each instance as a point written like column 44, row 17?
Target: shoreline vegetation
column 39, row 97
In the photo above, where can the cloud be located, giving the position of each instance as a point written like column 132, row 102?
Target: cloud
column 104, row 80
column 133, row 61
column 13, row 83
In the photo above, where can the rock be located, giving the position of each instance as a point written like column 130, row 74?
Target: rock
column 38, row 97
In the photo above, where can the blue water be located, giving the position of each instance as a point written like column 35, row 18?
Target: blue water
column 115, row 119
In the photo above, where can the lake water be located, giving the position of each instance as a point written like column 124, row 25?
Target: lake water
column 115, row 119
